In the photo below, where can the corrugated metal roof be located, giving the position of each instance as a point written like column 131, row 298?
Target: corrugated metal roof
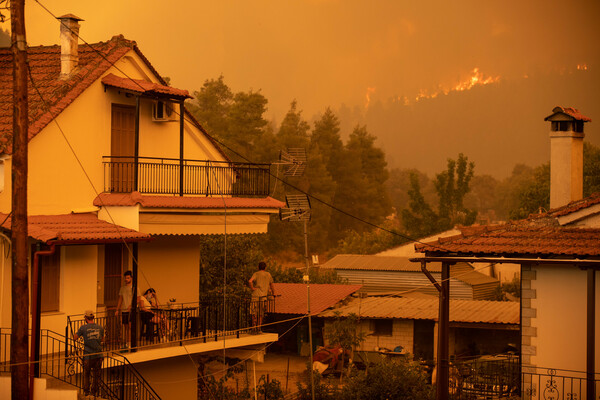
column 471, row 311
column 76, row 228
column 461, row 271
column 291, row 297
column 376, row 263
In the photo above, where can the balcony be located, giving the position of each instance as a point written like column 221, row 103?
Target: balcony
column 171, row 176
column 212, row 319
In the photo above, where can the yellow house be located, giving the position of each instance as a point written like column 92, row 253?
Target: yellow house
column 121, row 176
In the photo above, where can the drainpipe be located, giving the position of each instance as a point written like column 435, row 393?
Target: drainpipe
column 442, row 365
column 36, row 288
column 181, row 119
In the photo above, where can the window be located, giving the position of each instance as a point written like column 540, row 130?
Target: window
column 50, row 283
column 382, row 327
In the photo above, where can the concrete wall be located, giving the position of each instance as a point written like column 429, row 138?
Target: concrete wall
column 402, row 335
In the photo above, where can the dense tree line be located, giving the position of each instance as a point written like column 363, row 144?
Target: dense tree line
column 350, row 187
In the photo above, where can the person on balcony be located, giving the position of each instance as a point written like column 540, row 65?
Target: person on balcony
column 93, row 335
column 261, row 283
column 124, row 305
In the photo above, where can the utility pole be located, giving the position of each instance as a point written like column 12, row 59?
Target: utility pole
column 20, row 291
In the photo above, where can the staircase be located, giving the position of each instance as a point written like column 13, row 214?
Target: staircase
column 63, row 362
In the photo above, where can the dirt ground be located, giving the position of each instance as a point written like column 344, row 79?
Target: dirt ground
column 288, row 369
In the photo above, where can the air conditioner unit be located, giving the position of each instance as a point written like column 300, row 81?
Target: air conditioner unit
column 163, row 111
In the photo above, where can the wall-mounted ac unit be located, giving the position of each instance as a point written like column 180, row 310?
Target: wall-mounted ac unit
column 163, row 111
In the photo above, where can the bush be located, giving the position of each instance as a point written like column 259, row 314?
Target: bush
column 394, row 379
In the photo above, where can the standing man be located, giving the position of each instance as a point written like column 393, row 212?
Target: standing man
column 92, row 335
column 124, row 305
column 261, row 284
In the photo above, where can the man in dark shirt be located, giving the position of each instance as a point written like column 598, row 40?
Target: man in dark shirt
column 92, row 335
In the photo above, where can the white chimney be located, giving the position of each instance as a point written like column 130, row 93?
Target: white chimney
column 69, row 36
column 566, row 155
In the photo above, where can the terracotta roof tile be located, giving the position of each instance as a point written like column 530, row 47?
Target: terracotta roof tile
column 153, row 201
column 519, row 239
column 570, row 111
column 76, row 228
column 56, row 94
column 471, row 311
column 141, row 86
column 44, row 64
column 291, row 297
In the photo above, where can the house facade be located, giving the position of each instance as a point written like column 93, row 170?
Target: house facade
column 559, row 255
column 121, row 177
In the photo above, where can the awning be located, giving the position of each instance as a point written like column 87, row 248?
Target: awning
column 145, row 88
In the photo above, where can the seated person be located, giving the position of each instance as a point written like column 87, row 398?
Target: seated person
column 158, row 317
column 148, row 318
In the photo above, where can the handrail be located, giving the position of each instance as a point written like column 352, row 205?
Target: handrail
column 175, row 323
column 152, row 175
column 62, row 361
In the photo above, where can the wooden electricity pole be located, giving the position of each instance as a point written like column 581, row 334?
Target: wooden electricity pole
column 20, row 292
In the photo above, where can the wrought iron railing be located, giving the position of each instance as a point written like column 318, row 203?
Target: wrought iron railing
column 501, row 377
column 199, row 177
column 210, row 319
column 63, row 361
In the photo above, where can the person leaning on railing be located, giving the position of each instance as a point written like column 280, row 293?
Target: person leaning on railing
column 93, row 336
column 261, row 284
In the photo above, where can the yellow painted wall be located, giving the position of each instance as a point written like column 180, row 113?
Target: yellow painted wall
column 57, row 182
column 170, row 265
column 5, row 285
column 79, row 284
column 171, row 378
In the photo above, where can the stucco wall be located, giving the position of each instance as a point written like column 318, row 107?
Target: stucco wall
column 171, row 266
column 172, row 378
column 555, row 323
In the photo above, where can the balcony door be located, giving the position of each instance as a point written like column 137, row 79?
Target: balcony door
column 122, row 148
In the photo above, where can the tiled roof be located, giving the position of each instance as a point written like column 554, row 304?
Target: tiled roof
column 470, row 311
column 518, row 239
column 140, row 86
column 75, row 228
column 570, row 111
column 48, row 96
column 572, row 207
column 44, row 64
column 153, row 201
column 291, row 297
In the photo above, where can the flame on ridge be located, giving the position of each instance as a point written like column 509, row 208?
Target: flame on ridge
column 370, row 91
column 475, row 79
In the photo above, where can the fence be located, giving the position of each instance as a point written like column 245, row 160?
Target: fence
column 165, row 176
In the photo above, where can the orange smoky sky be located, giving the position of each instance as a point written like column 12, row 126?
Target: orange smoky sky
column 328, row 52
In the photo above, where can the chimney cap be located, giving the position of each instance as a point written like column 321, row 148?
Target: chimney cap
column 570, row 111
column 70, row 16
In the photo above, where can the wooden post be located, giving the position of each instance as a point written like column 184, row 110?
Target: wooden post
column 181, row 120
column 443, row 334
column 20, row 290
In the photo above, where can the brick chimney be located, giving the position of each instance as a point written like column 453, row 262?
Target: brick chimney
column 69, row 36
column 566, row 155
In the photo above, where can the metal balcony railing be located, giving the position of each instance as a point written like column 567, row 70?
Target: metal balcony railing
column 501, row 377
column 62, row 360
column 188, row 177
column 210, row 319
